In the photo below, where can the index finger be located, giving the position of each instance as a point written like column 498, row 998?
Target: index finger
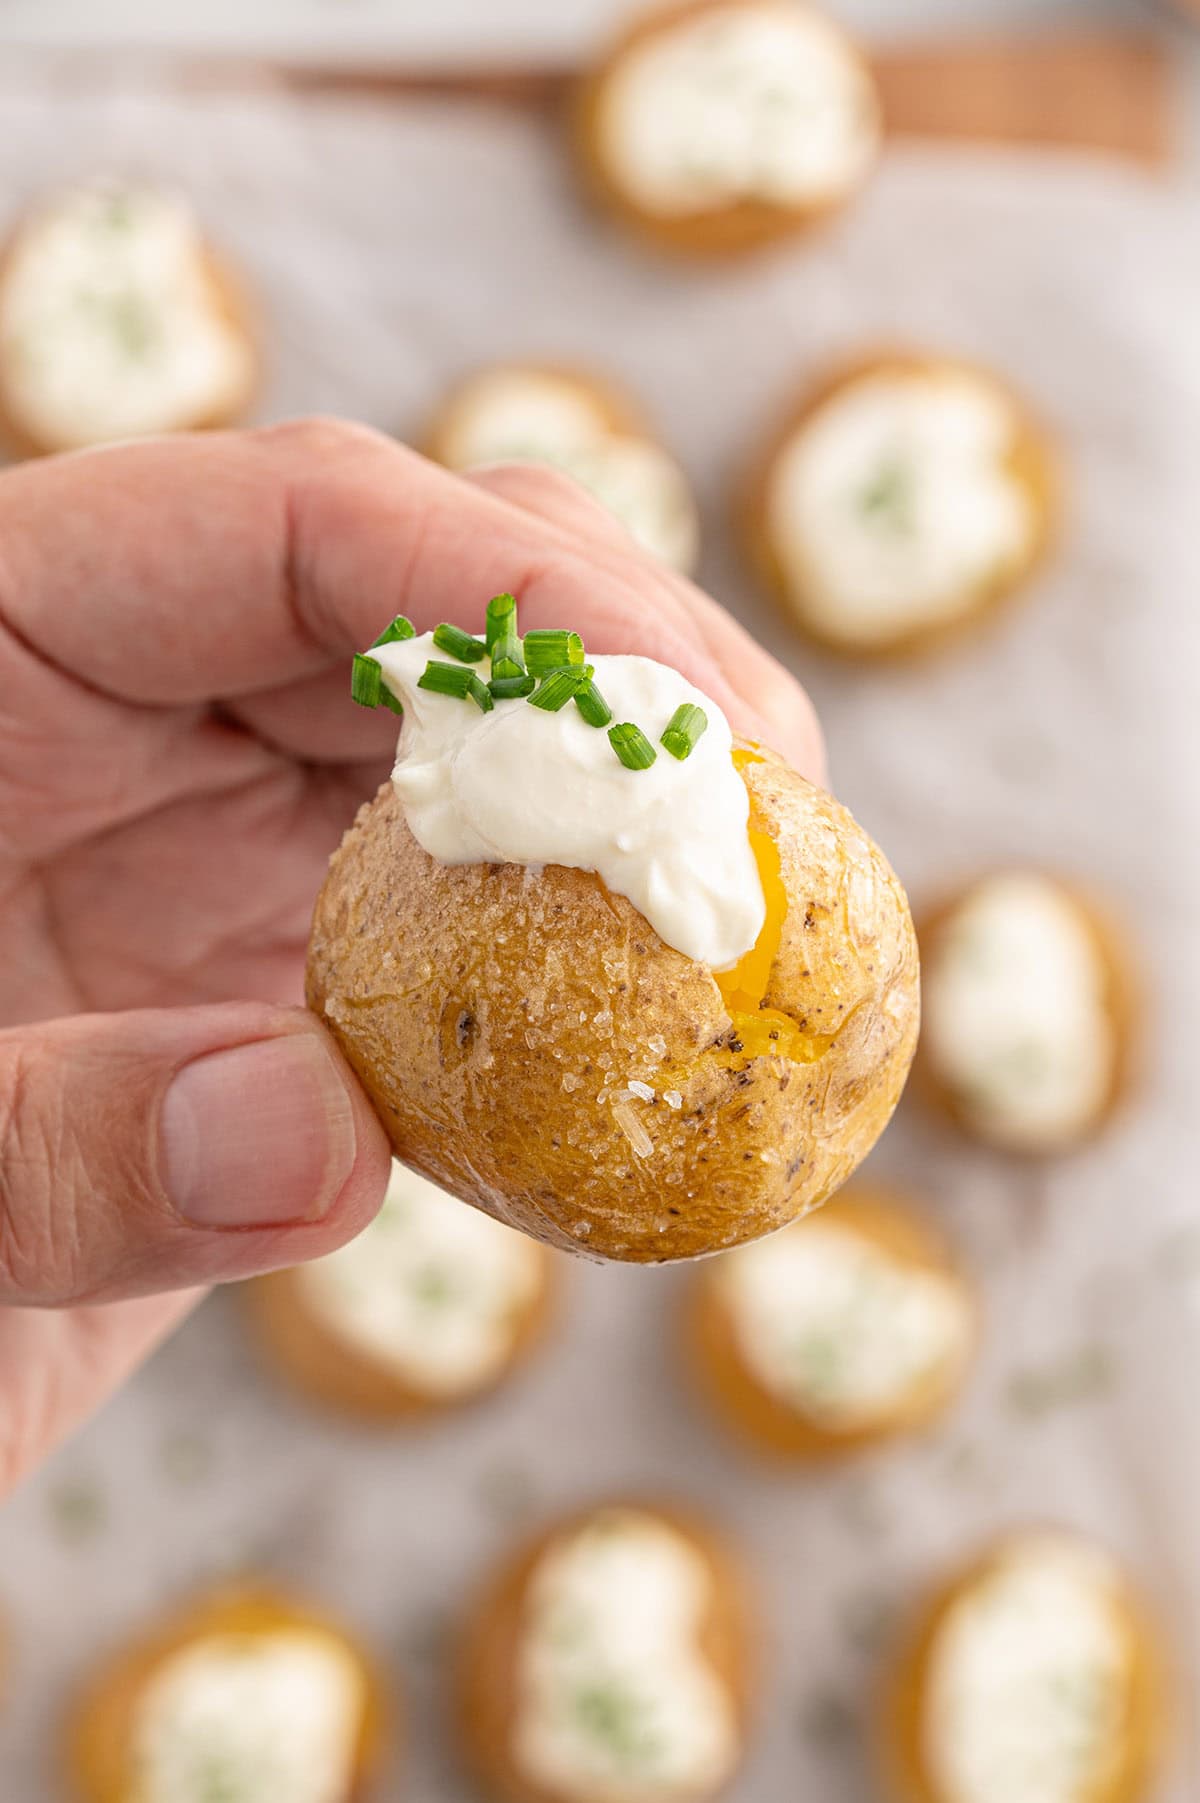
column 221, row 565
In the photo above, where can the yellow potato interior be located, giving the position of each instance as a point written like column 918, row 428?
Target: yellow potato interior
column 765, row 1031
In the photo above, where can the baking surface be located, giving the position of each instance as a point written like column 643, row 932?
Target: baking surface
column 391, row 250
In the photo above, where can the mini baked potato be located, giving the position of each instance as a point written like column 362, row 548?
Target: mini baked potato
column 584, row 425
column 431, row 1307
column 1034, row 1672
column 611, row 1660
column 1030, row 1012
column 242, row 1692
column 532, row 1045
column 716, row 127
column 902, row 497
column 840, row 1332
column 118, row 320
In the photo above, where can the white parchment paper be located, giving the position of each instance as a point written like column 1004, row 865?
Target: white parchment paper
column 393, row 248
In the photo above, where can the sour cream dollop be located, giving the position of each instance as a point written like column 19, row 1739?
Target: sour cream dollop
column 1019, row 1026
column 1029, row 1684
column 432, row 1290
column 618, row 1702
column 838, row 1327
column 111, row 322
column 246, row 1717
column 739, row 104
column 895, row 504
column 544, row 416
column 520, row 785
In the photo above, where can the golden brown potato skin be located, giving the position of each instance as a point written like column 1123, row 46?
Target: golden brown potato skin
column 902, row 1753
column 1032, row 460
column 102, row 1719
column 768, row 1421
column 329, row 1370
column 723, row 231
column 486, row 1008
column 1123, row 998
column 486, row 1674
column 230, row 301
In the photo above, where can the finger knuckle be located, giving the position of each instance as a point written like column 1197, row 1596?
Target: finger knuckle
column 320, row 436
column 39, row 1241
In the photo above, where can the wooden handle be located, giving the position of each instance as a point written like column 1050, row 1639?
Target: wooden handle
column 1088, row 91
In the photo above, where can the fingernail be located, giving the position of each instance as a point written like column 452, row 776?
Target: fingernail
column 258, row 1136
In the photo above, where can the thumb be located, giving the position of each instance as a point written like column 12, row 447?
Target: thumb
column 160, row 1149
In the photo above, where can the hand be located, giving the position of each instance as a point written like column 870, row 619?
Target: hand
column 178, row 757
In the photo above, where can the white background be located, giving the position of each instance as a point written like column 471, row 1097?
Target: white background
column 437, row 29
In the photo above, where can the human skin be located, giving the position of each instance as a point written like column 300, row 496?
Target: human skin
column 178, row 758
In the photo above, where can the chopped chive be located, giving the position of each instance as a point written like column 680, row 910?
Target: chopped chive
column 400, row 628
column 546, row 651
column 501, row 618
column 480, row 694
column 557, row 689
column 507, row 656
column 592, row 704
column 683, row 729
column 512, row 688
column 366, row 681
column 459, row 644
column 389, row 700
column 446, row 679
column 632, row 746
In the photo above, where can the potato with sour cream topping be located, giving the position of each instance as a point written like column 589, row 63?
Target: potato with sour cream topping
column 635, row 988
column 902, row 498
column 584, row 426
column 243, row 1695
column 1034, row 1676
column 610, row 1661
column 1029, row 1012
column 718, row 126
column 838, row 1333
column 118, row 321
column 432, row 1306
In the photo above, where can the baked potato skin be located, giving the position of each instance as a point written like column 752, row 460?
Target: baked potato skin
column 485, row 1677
column 1124, row 1000
column 764, row 1420
column 329, row 1371
column 230, row 301
column 102, row 1720
column 1034, row 461
column 721, row 233
column 902, row 1759
column 493, row 1013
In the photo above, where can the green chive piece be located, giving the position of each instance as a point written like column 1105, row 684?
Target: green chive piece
column 456, row 680
column 632, row 746
column 556, row 690
column 507, row 656
column 501, row 619
column 389, row 700
column 366, row 681
column 512, row 688
column 546, row 651
column 459, row 644
column 400, row 628
column 446, row 679
column 683, row 729
column 592, row 704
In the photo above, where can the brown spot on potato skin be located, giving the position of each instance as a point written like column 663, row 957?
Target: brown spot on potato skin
column 565, row 981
